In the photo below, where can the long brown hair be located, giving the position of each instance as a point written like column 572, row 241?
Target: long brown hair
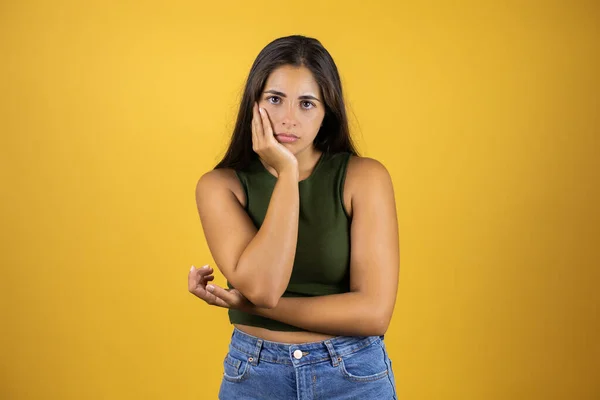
column 296, row 50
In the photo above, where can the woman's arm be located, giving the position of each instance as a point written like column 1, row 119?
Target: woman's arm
column 256, row 262
column 374, row 264
column 346, row 314
column 374, row 267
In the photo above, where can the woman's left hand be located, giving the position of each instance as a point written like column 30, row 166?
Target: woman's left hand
column 213, row 294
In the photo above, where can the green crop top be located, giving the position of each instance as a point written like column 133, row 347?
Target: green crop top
column 322, row 260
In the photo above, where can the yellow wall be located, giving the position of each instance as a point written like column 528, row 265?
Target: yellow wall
column 485, row 115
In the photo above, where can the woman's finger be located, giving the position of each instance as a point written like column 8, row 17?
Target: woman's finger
column 223, row 294
column 214, row 300
column 210, row 298
column 201, row 292
column 203, row 273
column 260, row 132
column 196, row 275
column 266, row 123
column 192, row 279
column 207, row 279
column 255, row 118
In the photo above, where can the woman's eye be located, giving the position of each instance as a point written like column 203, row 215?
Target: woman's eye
column 273, row 99
column 307, row 105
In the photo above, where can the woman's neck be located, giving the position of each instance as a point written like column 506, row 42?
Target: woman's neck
column 307, row 160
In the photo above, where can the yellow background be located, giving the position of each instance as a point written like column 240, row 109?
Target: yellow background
column 485, row 115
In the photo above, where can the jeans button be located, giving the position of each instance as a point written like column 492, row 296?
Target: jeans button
column 297, row 354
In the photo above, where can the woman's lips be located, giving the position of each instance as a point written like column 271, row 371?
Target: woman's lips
column 283, row 138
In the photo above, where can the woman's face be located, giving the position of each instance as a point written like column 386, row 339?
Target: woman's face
column 295, row 106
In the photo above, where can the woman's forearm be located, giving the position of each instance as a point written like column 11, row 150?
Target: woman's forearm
column 349, row 314
column 268, row 259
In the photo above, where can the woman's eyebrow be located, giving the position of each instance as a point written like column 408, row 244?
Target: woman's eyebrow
column 304, row 97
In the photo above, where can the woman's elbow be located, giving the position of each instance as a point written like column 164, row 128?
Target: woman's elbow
column 264, row 299
column 257, row 292
column 268, row 303
column 379, row 324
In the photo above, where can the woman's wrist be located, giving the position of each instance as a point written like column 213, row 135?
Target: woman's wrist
column 291, row 172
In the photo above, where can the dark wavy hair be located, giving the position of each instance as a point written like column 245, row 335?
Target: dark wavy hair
column 295, row 50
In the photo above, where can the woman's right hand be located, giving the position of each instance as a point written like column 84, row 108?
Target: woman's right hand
column 267, row 147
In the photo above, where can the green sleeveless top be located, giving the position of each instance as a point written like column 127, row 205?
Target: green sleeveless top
column 322, row 260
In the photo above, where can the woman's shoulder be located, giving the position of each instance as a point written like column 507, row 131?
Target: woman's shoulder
column 363, row 169
column 219, row 177
column 218, row 180
column 367, row 181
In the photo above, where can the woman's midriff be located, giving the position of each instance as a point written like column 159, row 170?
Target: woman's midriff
column 282, row 336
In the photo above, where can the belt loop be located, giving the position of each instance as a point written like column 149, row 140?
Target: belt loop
column 334, row 357
column 256, row 353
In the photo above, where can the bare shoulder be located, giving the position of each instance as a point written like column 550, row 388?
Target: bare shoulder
column 221, row 180
column 365, row 178
column 366, row 171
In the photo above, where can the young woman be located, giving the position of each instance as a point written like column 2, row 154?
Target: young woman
column 305, row 231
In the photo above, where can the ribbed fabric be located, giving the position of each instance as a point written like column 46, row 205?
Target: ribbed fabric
column 321, row 263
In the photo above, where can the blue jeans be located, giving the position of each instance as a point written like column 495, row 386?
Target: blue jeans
column 343, row 367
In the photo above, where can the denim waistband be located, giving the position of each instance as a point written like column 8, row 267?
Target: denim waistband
column 332, row 349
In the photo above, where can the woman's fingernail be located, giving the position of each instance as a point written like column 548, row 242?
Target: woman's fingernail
column 205, row 267
column 262, row 111
column 210, row 288
column 193, row 268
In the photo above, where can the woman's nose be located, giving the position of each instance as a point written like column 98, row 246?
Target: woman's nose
column 289, row 119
